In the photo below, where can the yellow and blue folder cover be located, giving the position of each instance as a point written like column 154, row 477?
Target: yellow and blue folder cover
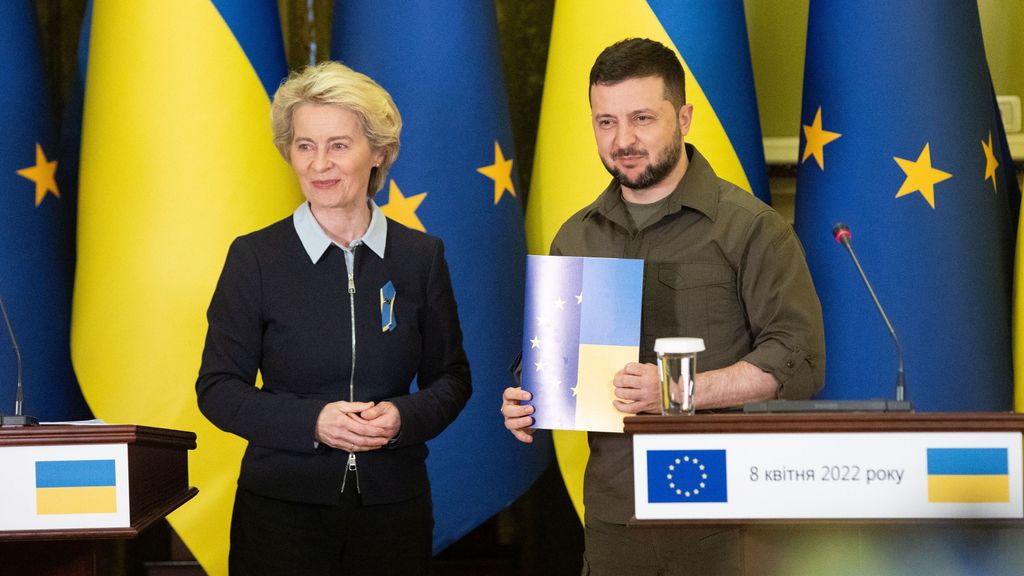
column 581, row 325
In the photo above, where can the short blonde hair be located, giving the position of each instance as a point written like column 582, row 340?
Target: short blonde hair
column 334, row 84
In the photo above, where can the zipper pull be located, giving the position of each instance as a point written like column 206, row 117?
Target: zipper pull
column 351, row 284
column 351, row 467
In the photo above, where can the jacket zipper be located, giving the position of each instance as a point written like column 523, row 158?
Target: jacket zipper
column 351, row 466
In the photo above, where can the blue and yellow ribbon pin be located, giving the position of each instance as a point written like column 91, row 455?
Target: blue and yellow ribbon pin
column 387, row 308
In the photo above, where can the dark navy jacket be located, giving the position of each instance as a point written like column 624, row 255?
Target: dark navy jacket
column 276, row 312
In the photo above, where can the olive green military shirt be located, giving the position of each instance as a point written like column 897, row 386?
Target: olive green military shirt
column 719, row 264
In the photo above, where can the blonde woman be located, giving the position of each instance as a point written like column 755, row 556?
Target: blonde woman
column 339, row 309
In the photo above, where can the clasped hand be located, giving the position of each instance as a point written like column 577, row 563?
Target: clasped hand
column 357, row 426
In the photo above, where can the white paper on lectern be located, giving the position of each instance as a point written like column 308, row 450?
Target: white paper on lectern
column 18, row 485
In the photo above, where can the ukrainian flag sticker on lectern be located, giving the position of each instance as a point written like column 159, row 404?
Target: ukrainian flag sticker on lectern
column 968, row 475
column 76, row 487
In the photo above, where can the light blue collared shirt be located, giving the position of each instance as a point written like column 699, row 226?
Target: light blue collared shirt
column 316, row 241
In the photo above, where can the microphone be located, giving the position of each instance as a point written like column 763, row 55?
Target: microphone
column 841, row 232
column 18, row 419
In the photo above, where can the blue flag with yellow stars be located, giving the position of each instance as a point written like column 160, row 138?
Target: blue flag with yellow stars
column 687, row 476
column 901, row 140
column 37, row 231
column 455, row 178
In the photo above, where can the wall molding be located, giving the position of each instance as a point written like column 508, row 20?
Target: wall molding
column 785, row 150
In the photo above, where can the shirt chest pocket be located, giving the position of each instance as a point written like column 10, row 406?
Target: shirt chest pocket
column 695, row 299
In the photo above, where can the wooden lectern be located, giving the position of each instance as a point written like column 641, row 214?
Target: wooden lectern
column 840, row 493
column 728, row 422
column 149, row 479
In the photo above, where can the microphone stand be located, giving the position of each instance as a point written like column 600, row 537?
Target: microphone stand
column 18, row 419
column 842, row 235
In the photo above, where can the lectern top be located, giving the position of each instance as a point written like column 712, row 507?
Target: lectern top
column 96, row 434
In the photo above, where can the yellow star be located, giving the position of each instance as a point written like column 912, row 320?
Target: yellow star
column 990, row 162
column 579, row 298
column 402, row 209
column 574, row 390
column 539, row 365
column 921, row 177
column 534, row 342
column 816, row 140
column 500, row 172
column 43, row 174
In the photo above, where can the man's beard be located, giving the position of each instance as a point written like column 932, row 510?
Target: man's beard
column 654, row 173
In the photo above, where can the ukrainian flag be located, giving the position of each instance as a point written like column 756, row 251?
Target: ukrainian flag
column 76, row 487
column 968, row 475
column 711, row 39
column 177, row 161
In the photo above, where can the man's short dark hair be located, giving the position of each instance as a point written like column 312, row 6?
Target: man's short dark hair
column 641, row 58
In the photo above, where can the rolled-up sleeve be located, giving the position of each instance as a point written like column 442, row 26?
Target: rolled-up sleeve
column 783, row 308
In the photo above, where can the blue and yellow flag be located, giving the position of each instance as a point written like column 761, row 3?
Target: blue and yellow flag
column 968, row 475
column 76, row 487
column 37, row 231
column 901, row 140
column 711, row 40
column 455, row 178
column 177, row 161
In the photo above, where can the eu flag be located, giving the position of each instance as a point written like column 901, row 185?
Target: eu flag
column 37, row 231
column 686, row 476
column 901, row 140
column 455, row 179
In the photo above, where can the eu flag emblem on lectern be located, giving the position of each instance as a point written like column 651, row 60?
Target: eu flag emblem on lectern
column 686, row 476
